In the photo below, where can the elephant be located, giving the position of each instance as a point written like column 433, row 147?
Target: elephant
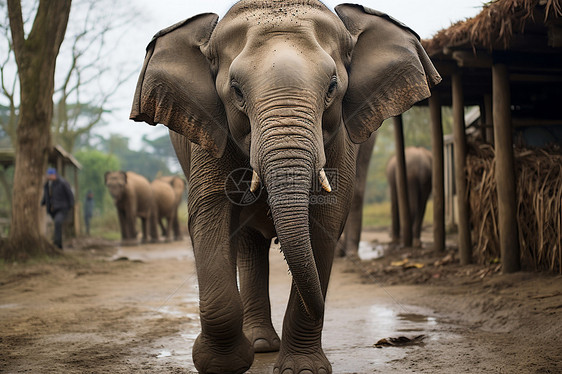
column 133, row 198
column 418, row 175
column 266, row 109
column 168, row 203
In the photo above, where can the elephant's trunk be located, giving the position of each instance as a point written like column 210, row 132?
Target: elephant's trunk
column 287, row 169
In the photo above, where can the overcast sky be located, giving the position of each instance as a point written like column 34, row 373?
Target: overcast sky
column 426, row 17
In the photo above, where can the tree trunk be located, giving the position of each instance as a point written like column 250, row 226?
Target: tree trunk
column 36, row 58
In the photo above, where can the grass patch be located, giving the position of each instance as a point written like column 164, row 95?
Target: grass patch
column 106, row 226
column 378, row 215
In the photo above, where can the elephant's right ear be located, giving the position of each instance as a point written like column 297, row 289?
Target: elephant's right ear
column 176, row 86
column 388, row 73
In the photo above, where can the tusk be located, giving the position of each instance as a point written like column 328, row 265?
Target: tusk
column 324, row 181
column 255, row 182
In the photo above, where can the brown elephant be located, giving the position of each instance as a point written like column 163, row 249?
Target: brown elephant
column 178, row 185
column 133, row 198
column 419, row 166
column 267, row 106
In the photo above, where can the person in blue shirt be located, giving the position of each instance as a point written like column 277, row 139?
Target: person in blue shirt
column 59, row 199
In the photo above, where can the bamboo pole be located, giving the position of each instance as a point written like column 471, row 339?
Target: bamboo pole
column 465, row 245
column 505, row 174
column 438, row 177
column 402, row 184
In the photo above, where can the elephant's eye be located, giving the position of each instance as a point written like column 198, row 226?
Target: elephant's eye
column 331, row 90
column 237, row 91
column 332, row 87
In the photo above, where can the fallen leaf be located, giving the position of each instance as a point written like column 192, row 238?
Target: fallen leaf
column 400, row 341
column 414, row 265
column 399, row 263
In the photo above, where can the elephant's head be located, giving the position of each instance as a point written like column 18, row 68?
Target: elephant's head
column 281, row 79
column 116, row 183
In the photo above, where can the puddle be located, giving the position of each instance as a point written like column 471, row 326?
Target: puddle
column 370, row 251
column 349, row 329
column 164, row 354
column 357, row 317
column 357, row 328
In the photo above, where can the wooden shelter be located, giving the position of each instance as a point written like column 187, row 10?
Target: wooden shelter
column 508, row 61
column 67, row 166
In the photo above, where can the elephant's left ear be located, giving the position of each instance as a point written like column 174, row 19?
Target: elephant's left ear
column 176, row 86
column 389, row 72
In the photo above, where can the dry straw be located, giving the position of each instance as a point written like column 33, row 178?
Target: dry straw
column 495, row 25
column 539, row 205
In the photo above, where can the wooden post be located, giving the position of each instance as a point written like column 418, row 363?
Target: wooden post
column 438, row 178
column 505, row 171
column 489, row 118
column 465, row 245
column 450, row 209
column 402, row 184
column 77, row 204
column 60, row 167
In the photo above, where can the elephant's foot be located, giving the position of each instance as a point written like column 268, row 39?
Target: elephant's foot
column 211, row 359
column 312, row 363
column 264, row 339
column 417, row 243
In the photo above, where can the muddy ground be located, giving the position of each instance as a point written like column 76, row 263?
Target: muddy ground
column 107, row 309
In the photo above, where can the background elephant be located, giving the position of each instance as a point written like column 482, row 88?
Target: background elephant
column 273, row 100
column 178, row 185
column 165, row 206
column 418, row 174
column 133, row 198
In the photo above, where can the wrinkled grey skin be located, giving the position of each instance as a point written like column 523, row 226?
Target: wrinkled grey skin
column 178, row 186
column 286, row 89
column 418, row 173
column 133, row 198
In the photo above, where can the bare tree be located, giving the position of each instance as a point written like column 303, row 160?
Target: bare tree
column 36, row 55
column 90, row 72
column 8, row 82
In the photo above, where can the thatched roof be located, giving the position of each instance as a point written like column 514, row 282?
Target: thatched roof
column 494, row 27
column 7, row 157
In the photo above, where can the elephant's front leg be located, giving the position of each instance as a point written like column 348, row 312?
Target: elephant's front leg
column 123, row 225
column 253, row 263
column 144, row 227
column 130, row 221
column 221, row 347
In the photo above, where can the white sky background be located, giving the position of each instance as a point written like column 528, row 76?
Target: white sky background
column 425, row 17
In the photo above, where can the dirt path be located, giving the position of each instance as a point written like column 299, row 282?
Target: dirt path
column 140, row 315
